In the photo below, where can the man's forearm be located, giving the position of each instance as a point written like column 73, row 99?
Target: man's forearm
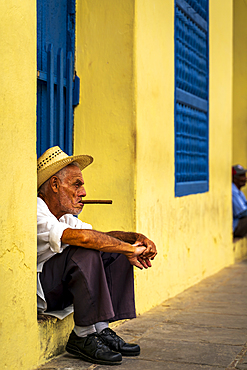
column 92, row 239
column 128, row 237
column 136, row 238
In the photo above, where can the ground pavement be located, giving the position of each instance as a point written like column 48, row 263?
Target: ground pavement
column 203, row 328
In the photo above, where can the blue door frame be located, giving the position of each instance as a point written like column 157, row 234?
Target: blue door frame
column 57, row 85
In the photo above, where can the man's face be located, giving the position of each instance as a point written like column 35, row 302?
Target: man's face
column 71, row 191
column 239, row 180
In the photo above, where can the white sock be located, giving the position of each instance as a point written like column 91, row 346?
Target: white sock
column 83, row 331
column 101, row 325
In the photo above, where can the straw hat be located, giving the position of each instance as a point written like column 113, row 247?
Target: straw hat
column 54, row 159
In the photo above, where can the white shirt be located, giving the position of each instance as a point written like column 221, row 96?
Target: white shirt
column 49, row 233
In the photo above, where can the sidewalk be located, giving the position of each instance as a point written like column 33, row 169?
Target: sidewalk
column 205, row 328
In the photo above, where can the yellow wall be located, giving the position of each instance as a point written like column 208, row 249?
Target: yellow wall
column 104, row 120
column 125, row 59
column 18, row 318
column 239, row 146
column 193, row 233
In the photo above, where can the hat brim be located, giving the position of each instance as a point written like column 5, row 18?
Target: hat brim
column 49, row 171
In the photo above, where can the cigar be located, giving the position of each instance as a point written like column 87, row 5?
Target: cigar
column 89, row 201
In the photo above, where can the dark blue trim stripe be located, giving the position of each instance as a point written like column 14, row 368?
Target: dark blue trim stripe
column 190, row 12
column 187, row 188
column 42, row 76
column 50, row 93
column 193, row 101
column 60, row 98
column 69, row 105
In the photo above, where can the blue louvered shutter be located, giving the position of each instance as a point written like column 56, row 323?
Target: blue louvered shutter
column 191, row 97
column 57, row 85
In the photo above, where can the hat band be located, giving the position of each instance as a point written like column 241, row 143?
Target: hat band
column 49, row 158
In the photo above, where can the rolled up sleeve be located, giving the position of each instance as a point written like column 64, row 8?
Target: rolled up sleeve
column 50, row 231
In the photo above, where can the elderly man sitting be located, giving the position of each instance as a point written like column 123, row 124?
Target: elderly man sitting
column 77, row 265
column 239, row 203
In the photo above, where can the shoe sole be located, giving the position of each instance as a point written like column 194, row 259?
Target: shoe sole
column 74, row 351
column 130, row 354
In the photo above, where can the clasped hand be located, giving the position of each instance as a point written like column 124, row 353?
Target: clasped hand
column 145, row 250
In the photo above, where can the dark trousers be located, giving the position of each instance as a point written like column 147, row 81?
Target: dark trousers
column 100, row 285
column 241, row 229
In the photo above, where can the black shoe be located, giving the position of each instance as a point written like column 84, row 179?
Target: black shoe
column 92, row 349
column 117, row 344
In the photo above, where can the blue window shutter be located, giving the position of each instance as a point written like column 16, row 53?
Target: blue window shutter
column 191, row 97
column 57, row 87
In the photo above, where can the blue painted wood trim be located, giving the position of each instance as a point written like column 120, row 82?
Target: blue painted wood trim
column 187, row 188
column 60, row 98
column 190, row 12
column 76, row 91
column 42, row 76
column 69, row 105
column 71, row 28
column 193, row 101
column 50, row 93
column 182, row 189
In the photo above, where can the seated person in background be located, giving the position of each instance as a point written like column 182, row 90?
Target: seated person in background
column 239, row 203
column 77, row 265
